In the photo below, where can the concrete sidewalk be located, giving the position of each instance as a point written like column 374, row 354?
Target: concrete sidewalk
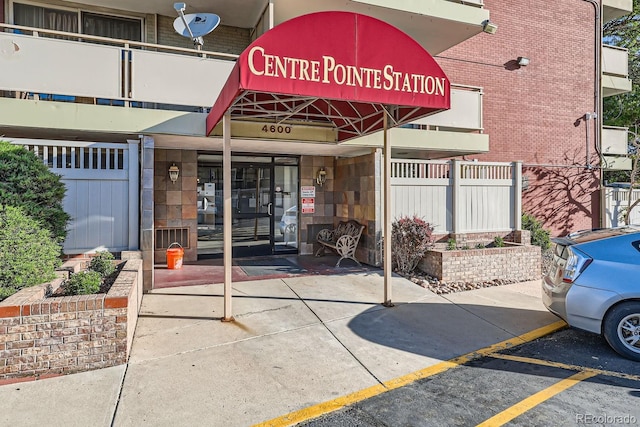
column 296, row 342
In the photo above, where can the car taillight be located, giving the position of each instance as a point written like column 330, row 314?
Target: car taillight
column 576, row 263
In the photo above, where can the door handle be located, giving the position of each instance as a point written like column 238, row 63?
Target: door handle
column 269, row 209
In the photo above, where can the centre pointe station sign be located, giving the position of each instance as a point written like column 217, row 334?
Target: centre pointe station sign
column 348, row 60
column 328, row 71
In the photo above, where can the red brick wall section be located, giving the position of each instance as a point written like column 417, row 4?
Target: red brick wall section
column 534, row 113
column 69, row 334
column 520, row 263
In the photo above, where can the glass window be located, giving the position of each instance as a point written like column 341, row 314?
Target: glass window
column 46, row 18
column 111, row 26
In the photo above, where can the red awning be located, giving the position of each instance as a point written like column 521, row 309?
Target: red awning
column 333, row 69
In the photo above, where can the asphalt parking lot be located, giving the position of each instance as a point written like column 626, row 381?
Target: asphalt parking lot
column 566, row 378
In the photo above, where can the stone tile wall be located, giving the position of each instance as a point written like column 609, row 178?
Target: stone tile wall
column 42, row 336
column 176, row 203
column 350, row 192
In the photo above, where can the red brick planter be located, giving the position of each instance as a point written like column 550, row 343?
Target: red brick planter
column 512, row 262
column 62, row 335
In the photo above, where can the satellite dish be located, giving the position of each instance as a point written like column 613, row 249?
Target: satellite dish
column 194, row 25
column 200, row 24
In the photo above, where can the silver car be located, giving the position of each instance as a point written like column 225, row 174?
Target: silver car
column 594, row 285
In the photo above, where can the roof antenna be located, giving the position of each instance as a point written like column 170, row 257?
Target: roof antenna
column 194, row 25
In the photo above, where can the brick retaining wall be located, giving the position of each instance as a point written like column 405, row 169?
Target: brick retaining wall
column 68, row 334
column 518, row 263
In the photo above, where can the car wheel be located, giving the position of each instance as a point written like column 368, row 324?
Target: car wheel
column 621, row 329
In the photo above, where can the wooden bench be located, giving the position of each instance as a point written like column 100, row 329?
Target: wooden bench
column 343, row 239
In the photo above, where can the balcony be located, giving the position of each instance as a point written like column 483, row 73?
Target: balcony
column 615, row 141
column 455, row 132
column 613, row 9
column 615, row 71
column 66, row 87
column 436, row 24
column 615, row 163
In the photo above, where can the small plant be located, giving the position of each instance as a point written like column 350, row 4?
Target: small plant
column 452, row 245
column 466, row 247
column 479, row 246
column 411, row 238
column 539, row 236
column 498, row 242
column 83, row 283
column 28, row 253
column 102, row 263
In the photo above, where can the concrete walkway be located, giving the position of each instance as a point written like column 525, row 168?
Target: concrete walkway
column 296, row 342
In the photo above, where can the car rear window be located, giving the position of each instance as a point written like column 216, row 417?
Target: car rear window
column 590, row 235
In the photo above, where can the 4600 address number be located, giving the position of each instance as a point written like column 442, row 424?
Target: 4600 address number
column 276, row 129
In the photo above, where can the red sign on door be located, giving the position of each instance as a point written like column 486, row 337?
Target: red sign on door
column 308, row 205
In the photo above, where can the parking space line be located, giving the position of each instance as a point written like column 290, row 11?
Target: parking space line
column 536, row 399
column 315, row 411
column 549, row 363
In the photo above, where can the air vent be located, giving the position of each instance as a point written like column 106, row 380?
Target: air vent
column 167, row 236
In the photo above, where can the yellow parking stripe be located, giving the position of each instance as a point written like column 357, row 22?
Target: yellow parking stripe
column 534, row 400
column 565, row 366
column 335, row 404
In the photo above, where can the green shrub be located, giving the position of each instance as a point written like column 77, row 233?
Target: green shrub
column 452, row 245
column 83, row 283
column 102, row 263
column 28, row 254
column 27, row 183
column 539, row 236
column 498, row 242
column 411, row 238
column 480, row 246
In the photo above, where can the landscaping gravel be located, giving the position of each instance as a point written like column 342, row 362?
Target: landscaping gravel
column 438, row 287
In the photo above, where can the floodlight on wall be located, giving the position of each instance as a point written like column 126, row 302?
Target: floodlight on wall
column 489, row 27
column 174, row 173
column 523, row 61
column 321, row 177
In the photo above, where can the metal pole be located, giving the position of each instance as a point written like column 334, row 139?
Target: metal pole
column 227, row 218
column 386, row 218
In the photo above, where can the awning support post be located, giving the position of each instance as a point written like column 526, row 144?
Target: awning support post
column 227, row 218
column 386, row 218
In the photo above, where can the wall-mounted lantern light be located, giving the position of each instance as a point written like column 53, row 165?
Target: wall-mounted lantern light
column 174, row 172
column 321, row 177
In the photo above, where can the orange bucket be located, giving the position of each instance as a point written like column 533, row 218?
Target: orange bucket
column 174, row 256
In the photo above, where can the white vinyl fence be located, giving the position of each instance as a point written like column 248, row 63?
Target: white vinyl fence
column 616, row 204
column 458, row 196
column 102, row 191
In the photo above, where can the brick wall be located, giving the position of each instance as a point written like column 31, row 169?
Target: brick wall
column 62, row 335
column 517, row 263
column 533, row 113
column 223, row 39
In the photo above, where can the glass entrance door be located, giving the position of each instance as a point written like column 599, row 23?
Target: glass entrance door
column 251, row 197
column 264, row 194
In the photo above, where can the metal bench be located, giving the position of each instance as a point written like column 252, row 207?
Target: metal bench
column 343, row 239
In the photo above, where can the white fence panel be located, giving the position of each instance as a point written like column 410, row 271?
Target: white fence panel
column 617, row 202
column 424, row 201
column 100, row 179
column 458, row 197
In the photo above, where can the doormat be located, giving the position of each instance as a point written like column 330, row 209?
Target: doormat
column 271, row 266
